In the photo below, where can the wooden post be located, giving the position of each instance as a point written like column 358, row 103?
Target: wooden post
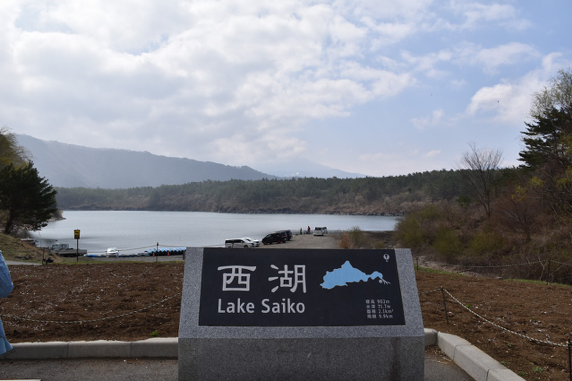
column 445, row 304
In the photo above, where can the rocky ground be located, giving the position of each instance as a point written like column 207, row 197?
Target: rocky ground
column 132, row 301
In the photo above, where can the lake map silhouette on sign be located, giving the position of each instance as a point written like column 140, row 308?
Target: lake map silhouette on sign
column 348, row 274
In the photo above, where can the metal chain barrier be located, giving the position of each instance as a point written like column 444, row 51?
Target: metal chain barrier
column 506, row 329
column 93, row 320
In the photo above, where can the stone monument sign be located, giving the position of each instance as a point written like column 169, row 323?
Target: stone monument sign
column 291, row 314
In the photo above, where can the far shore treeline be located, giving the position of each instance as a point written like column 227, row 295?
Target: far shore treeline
column 394, row 195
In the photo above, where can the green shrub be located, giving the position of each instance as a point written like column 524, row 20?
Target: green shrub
column 485, row 244
column 417, row 228
column 448, row 244
column 354, row 238
column 344, row 242
column 429, row 212
column 357, row 237
column 408, row 231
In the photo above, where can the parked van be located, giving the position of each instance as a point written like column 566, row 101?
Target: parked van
column 238, row 242
column 320, row 230
column 285, row 233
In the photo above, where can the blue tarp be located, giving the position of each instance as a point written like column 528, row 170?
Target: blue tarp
column 165, row 251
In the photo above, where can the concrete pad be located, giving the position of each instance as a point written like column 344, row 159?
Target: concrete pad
column 472, row 360
column 99, row 348
column 430, row 337
column 49, row 350
column 475, row 362
column 448, row 343
column 156, row 347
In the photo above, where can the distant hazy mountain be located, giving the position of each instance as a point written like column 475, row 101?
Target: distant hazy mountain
column 67, row 165
column 305, row 168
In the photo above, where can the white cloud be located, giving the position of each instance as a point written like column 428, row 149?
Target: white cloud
column 458, row 83
column 506, row 54
column 492, row 58
column 385, row 10
column 213, row 73
column 465, row 54
column 433, row 153
column 476, row 14
column 435, row 119
column 427, row 63
column 189, row 78
column 509, row 101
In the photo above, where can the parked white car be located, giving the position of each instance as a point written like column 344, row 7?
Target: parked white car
column 255, row 242
column 320, row 230
column 238, row 242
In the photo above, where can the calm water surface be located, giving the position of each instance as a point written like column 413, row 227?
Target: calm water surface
column 139, row 230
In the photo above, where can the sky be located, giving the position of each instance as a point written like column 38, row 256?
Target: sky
column 375, row 87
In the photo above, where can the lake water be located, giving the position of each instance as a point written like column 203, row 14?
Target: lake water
column 135, row 231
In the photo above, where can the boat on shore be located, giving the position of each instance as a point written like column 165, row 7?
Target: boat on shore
column 64, row 250
column 112, row 252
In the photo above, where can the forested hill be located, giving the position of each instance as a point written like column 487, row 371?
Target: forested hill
column 373, row 196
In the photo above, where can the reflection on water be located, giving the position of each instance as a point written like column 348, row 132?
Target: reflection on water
column 139, row 230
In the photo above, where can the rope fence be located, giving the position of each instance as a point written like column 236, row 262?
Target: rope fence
column 567, row 345
column 563, row 264
column 428, row 292
column 551, row 271
column 504, row 328
column 92, row 320
column 499, row 266
column 564, row 345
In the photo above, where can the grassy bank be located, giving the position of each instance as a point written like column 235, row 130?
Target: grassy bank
column 18, row 250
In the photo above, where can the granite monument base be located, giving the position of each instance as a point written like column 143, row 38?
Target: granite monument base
column 302, row 359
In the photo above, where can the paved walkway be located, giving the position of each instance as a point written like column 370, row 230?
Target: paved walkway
column 437, row 368
column 447, row 358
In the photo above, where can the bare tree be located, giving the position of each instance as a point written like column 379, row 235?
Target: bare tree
column 519, row 211
column 480, row 168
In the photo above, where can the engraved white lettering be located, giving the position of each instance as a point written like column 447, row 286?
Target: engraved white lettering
column 238, row 307
column 286, row 306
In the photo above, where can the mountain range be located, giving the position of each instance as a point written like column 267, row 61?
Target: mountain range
column 69, row 166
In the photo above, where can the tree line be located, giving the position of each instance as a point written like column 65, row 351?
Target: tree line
column 524, row 219
column 369, row 196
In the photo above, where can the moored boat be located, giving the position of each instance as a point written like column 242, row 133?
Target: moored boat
column 112, row 252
